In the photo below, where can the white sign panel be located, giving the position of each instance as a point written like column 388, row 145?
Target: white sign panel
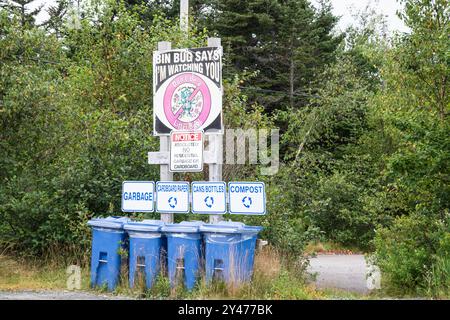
column 172, row 197
column 247, row 198
column 186, row 151
column 209, row 197
column 138, row 196
column 187, row 90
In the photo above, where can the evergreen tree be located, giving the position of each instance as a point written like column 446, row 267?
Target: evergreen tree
column 20, row 8
column 288, row 42
column 304, row 44
column 245, row 27
column 56, row 14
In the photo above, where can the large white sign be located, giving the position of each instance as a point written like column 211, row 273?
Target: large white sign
column 247, row 198
column 187, row 90
column 209, row 197
column 172, row 197
column 138, row 196
column 186, row 151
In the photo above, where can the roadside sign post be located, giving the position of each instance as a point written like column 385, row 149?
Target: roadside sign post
column 216, row 142
column 188, row 101
column 188, row 91
column 165, row 174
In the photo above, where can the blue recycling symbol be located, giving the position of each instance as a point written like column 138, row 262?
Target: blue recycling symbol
column 209, row 201
column 247, row 201
column 173, row 202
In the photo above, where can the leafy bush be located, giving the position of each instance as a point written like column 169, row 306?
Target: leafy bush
column 76, row 120
column 413, row 254
column 438, row 277
column 338, row 212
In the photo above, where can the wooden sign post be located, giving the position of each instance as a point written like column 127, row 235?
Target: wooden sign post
column 214, row 156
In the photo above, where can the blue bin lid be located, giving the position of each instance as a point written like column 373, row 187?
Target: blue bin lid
column 184, row 226
column 252, row 229
column 229, row 227
column 223, row 227
column 144, row 226
column 109, row 222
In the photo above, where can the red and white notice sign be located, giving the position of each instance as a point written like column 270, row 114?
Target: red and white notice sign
column 186, row 151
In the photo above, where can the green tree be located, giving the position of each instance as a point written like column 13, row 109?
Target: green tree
column 57, row 14
column 19, row 7
column 287, row 42
column 75, row 122
column 411, row 116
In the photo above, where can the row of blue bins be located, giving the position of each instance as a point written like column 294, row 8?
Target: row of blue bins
column 224, row 250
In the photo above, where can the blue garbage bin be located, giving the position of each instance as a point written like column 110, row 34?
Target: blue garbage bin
column 145, row 250
column 108, row 237
column 229, row 251
column 249, row 236
column 184, row 252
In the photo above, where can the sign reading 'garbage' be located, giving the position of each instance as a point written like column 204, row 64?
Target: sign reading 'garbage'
column 187, row 90
column 186, row 151
column 138, row 196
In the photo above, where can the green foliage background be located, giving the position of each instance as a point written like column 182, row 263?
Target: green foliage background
column 363, row 117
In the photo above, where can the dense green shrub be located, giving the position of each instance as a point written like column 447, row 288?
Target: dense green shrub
column 413, row 254
column 76, row 121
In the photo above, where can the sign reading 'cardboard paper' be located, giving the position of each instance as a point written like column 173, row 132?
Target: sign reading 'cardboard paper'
column 172, row 197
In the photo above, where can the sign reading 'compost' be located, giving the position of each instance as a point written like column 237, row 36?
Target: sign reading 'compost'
column 187, row 90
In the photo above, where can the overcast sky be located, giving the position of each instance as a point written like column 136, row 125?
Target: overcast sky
column 342, row 8
column 346, row 8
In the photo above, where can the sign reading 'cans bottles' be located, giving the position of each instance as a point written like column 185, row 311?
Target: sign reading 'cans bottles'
column 200, row 197
column 209, row 197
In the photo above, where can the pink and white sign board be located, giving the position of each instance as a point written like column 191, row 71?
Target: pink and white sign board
column 187, row 90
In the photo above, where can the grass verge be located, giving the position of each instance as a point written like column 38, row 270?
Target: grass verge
column 275, row 277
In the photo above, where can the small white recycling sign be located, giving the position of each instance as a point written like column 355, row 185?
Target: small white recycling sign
column 247, row 198
column 209, row 197
column 172, row 197
column 186, row 151
column 138, row 196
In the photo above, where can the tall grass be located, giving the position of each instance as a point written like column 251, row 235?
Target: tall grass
column 438, row 278
column 275, row 276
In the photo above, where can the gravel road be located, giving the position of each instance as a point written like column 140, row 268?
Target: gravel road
column 344, row 272
column 56, row 295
